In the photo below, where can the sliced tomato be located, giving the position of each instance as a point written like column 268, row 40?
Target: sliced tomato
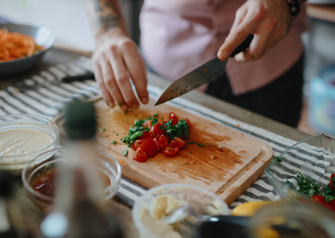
column 174, row 118
column 145, row 135
column 156, row 142
column 162, row 141
column 177, row 143
column 147, row 124
column 170, row 150
column 157, row 129
column 188, row 123
column 136, row 144
column 140, row 155
column 319, row 199
column 149, row 147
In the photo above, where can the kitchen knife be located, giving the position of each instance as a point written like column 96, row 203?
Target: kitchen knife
column 204, row 74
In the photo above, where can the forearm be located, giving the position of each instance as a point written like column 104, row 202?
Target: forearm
column 104, row 16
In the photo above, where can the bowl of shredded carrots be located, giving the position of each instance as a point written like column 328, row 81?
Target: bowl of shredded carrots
column 22, row 47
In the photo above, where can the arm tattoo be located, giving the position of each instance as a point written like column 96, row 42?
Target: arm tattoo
column 104, row 14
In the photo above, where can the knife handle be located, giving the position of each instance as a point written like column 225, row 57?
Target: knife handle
column 243, row 46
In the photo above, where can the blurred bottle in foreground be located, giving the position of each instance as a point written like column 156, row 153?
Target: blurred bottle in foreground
column 78, row 212
column 6, row 220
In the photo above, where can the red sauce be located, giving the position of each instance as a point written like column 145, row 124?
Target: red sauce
column 46, row 183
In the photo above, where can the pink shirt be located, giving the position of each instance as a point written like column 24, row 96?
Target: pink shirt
column 179, row 35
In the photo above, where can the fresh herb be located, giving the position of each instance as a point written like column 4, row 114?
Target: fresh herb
column 235, row 160
column 117, row 134
column 137, row 130
column 195, row 143
column 328, row 191
column 113, row 142
column 179, row 130
column 278, row 160
column 125, row 153
column 307, row 186
column 106, row 136
column 190, row 152
column 103, row 129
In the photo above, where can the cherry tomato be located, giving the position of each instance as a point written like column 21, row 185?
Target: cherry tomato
column 140, row 155
column 188, row 123
column 136, row 144
column 177, row 143
column 319, row 199
column 149, row 147
column 174, row 118
column 157, row 130
column 145, row 135
column 147, row 124
column 156, row 142
column 170, row 150
column 162, row 141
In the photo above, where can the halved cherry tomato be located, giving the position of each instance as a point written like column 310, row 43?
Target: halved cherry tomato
column 157, row 130
column 149, row 147
column 156, row 142
column 319, row 199
column 170, row 150
column 188, row 123
column 147, row 124
column 145, row 135
column 140, row 155
column 136, row 144
column 162, row 141
column 174, row 118
column 177, row 143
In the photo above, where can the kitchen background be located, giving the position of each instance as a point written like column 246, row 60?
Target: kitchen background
column 67, row 19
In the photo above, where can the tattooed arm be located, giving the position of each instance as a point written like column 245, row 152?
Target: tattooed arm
column 115, row 56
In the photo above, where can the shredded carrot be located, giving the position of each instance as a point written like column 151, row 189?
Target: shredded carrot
column 15, row 46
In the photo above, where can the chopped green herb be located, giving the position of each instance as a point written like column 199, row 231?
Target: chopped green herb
column 117, row 134
column 137, row 130
column 307, row 186
column 179, row 130
column 278, row 160
column 106, row 136
column 113, row 142
column 113, row 131
column 195, row 143
column 190, row 152
column 235, row 160
column 328, row 191
column 187, row 163
column 125, row 153
column 103, row 129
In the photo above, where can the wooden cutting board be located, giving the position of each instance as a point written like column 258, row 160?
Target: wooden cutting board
column 239, row 160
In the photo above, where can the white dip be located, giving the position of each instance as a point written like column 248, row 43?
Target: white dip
column 22, row 141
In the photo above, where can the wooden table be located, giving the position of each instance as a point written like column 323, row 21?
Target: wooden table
column 29, row 215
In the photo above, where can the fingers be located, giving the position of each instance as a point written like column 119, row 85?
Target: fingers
column 100, row 81
column 235, row 38
column 137, row 73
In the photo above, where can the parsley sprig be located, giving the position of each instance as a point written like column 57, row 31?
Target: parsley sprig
column 328, row 191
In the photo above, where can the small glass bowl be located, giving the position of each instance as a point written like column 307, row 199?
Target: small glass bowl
column 313, row 157
column 50, row 160
column 204, row 203
column 15, row 163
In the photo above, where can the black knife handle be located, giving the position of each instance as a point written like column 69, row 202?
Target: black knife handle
column 243, row 46
column 81, row 77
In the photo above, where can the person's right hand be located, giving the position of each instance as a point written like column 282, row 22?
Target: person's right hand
column 114, row 60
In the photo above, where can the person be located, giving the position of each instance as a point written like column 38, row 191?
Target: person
column 179, row 35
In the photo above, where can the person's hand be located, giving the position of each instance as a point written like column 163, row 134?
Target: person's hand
column 114, row 60
column 268, row 20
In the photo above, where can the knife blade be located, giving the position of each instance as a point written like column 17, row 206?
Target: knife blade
column 203, row 74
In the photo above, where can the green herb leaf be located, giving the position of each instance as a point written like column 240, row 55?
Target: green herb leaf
column 278, row 160
column 307, row 186
column 125, row 153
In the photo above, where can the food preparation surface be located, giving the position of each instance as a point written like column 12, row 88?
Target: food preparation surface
column 228, row 164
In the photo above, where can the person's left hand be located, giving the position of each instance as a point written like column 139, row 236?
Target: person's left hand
column 268, row 20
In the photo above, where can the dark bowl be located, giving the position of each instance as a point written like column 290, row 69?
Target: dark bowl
column 42, row 36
